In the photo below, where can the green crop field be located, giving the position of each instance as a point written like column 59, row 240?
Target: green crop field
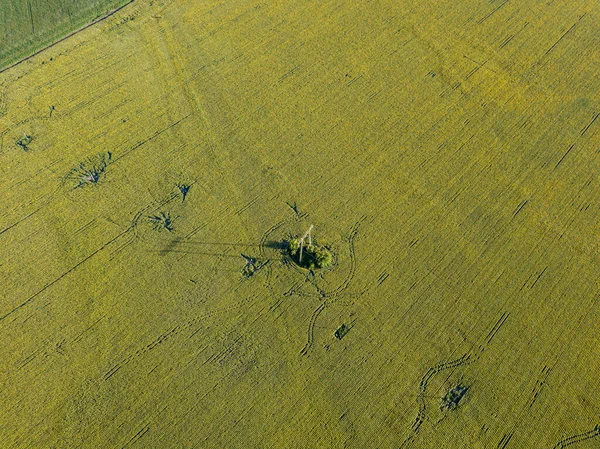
column 28, row 25
column 154, row 167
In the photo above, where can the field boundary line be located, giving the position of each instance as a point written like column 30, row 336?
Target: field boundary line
column 71, row 34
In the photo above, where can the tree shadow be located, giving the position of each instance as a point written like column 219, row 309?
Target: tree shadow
column 280, row 245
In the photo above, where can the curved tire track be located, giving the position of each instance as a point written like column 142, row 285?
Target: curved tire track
column 578, row 438
column 333, row 296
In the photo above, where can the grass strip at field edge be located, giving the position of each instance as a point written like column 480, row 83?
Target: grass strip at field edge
column 71, row 34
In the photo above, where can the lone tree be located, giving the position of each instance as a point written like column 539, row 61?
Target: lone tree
column 309, row 255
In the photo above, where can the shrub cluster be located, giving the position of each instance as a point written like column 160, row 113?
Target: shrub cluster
column 313, row 256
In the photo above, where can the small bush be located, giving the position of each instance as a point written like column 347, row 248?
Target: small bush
column 293, row 247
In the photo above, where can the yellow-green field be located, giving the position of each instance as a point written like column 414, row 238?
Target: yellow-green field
column 447, row 151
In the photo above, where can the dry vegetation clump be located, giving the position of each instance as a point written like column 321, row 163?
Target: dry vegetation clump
column 183, row 189
column 90, row 171
column 252, row 266
column 162, row 221
column 24, row 142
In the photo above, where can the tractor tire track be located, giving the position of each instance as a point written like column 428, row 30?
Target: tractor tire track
column 311, row 328
column 174, row 331
column 333, row 296
column 105, row 245
column 62, row 276
column 579, row 438
column 468, row 358
column 345, row 284
column 421, row 396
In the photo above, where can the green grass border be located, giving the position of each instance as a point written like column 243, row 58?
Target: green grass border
column 35, row 46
